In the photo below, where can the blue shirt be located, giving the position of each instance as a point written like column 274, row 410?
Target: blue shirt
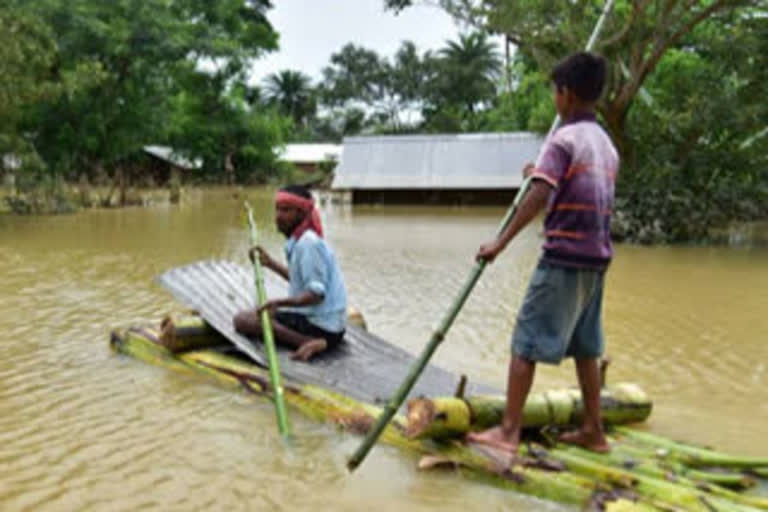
column 312, row 266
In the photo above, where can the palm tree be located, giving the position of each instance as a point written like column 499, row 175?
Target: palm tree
column 292, row 93
column 470, row 69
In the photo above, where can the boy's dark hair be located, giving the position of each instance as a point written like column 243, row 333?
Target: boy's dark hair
column 298, row 190
column 582, row 73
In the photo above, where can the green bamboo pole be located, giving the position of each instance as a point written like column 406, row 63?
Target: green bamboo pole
column 437, row 337
column 269, row 340
column 676, row 493
column 682, row 476
column 585, row 475
column 397, row 400
column 691, row 455
column 327, row 406
column 732, row 477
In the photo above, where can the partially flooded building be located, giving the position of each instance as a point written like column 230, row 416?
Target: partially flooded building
column 468, row 168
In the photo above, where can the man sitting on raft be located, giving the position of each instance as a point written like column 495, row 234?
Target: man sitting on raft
column 313, row 317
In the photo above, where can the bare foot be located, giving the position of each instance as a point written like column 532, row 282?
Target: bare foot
column 595, row 442
column 496, row 438
column 309, row 349
column 167, row 336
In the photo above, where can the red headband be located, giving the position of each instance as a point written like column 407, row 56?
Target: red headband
column 312, row 218
column 286, row 198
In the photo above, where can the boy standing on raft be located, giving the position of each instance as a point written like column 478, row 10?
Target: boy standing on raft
column 560, row 317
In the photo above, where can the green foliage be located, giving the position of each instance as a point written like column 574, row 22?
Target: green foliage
column 389, row 94
column 433, row 92
column 467, row 72
column 292, row 93
column 335, row 124
column 693, row 143
column 693, row 146
column 527, row 107
column 113, row 75
column 216, row 122
column 26, row 53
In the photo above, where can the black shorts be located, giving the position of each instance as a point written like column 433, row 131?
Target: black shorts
column 299, row 323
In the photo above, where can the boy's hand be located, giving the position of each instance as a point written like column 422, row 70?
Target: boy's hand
column 528, row 169
column 489, row 251
column 264, row 257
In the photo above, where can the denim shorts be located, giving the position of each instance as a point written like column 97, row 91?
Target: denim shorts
column 561, row 315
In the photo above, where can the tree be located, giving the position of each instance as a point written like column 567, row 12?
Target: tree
column 465, row 76
column 225, row 127
column 637, row 35
column 690, row 157
column 292, row 93
column 391, row 93
column 525, row 106
column 140, row 46
column 26, row 53
column 695, row 141
column 28, row 76
column 469, row 69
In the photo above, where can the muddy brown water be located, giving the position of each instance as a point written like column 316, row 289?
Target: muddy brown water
column 84, row 429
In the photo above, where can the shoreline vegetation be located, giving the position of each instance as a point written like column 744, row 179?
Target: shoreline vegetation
column 85, row 96
column 67, row 198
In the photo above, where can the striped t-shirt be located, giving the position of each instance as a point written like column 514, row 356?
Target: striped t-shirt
column 580, row 162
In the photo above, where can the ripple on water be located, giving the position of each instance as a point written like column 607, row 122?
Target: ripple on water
column 84, row 429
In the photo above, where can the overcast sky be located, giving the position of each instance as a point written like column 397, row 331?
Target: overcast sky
column 311, row 30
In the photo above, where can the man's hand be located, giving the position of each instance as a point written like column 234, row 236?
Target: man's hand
column 489, row 251
column 270, row 306
column 264, row 258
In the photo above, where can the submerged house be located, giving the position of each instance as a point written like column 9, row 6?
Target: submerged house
column 310, row 157
column 473, row 168
column 163, row 163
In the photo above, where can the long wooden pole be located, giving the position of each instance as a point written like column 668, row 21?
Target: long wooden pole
column 437, row 337
column 397, row 400
column 269, row 340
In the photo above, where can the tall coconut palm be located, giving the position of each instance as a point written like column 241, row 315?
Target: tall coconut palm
column 470, row 70
column 292, row 92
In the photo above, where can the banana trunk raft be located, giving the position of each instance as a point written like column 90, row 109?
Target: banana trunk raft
column 643, row 472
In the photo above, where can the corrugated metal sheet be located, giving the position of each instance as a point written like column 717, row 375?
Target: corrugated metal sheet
column 169, row 155
column 364, row 367
column 309, row 153
column 463, row 161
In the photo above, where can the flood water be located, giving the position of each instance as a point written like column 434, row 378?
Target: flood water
column 82, row 428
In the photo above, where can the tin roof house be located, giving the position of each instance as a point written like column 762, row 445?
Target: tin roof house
column 474, row 168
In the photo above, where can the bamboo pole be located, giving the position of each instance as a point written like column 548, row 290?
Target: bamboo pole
column 691, row 455
column 674, row 464
column 269, row 341
column 327, row 406
column 578, row 480
column 418, row 366
column 696, row 481
column 691, row 498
